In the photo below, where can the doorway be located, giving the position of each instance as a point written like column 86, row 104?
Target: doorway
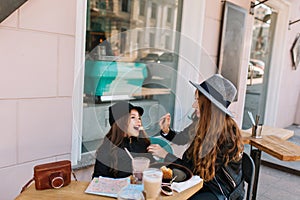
column 259, row 65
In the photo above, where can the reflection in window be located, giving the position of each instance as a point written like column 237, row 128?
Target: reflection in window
column 260, row 48
column 102, row 4
column 124, row 59
column 169, row 16
column 265, row 20
column 125, row 5
column 152, row 39
column 142, row 8
column 168, row 42
column 153, row 11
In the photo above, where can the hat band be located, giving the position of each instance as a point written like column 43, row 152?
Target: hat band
column 214, row 93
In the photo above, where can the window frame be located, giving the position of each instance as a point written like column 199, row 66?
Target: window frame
column 188, row 11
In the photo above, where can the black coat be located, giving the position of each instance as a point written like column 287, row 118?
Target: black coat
column 123, row 168
column 233, row 169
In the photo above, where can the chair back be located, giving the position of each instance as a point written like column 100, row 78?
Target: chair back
column 163, row 143
column 248, row 173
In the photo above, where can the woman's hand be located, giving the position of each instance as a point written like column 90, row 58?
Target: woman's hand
column 165, row 122
column 157, row 150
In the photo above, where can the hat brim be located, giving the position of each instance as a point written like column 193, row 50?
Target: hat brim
column 212, row 99
column 120, row 109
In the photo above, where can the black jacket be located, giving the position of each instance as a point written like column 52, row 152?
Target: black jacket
column 123, row 168
column 228, row 177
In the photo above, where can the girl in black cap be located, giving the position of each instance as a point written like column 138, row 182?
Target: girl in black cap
column 125, row 132
column 216, row 147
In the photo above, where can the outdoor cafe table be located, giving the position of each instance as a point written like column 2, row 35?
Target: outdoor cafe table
column 76, row 190
column 273, row 142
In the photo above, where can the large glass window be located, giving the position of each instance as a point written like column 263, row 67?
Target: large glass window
column 130, row 55
column 259, row 66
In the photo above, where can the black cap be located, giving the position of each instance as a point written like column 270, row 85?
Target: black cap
column 121, row 109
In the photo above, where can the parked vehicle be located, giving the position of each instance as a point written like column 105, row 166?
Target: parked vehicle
column 161, row 68
column 258, row 63
column 150, row 57
column 254, row 71
column 167, row 57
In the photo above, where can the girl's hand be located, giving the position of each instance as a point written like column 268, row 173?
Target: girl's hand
column 165, row 122
column 157, row 150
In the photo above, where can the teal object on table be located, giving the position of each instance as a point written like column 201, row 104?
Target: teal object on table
column 163, row 143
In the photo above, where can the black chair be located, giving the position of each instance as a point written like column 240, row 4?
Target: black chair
column 248, row 173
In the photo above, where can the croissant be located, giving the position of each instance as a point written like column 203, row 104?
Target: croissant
column 167, row 172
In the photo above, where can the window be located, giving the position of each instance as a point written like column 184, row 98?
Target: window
column 152, row 39
column 102, row 4
column 168, row 42
column 116, row 67
column 142, row 8
column 110, row 5
column 140, row 39
column 125, row 5
column 153, row 10
column 169, row 15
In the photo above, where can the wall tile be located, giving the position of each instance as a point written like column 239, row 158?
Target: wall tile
column 8, row 132
column 35, row 15
column 208, row 65
column 16, row 177
column 45, row 128
column 66, row 57
column 244, row 4
column 213, row 9
column 30, row 70
column 63, row 157
column 211, row 35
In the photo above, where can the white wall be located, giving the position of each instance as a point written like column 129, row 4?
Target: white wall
column 199, row 45
column 210, row 42
column 36, row 84
column 290, row 88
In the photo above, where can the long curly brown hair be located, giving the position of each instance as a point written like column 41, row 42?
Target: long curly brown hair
column 217, row 134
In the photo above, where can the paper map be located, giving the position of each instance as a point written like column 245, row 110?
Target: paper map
column 107, row 186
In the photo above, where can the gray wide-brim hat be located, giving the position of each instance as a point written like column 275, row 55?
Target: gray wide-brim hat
column 220, row 91
column 121, row 109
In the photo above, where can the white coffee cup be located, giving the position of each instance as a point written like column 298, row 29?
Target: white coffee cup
column 152, row 179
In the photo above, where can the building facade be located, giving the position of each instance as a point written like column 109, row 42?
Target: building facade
column 44, row 46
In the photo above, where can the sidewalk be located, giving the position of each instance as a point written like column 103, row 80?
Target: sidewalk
column 277, row 185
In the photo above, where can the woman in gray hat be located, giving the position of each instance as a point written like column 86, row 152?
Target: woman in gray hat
column 216, row 145
column 125, row 132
